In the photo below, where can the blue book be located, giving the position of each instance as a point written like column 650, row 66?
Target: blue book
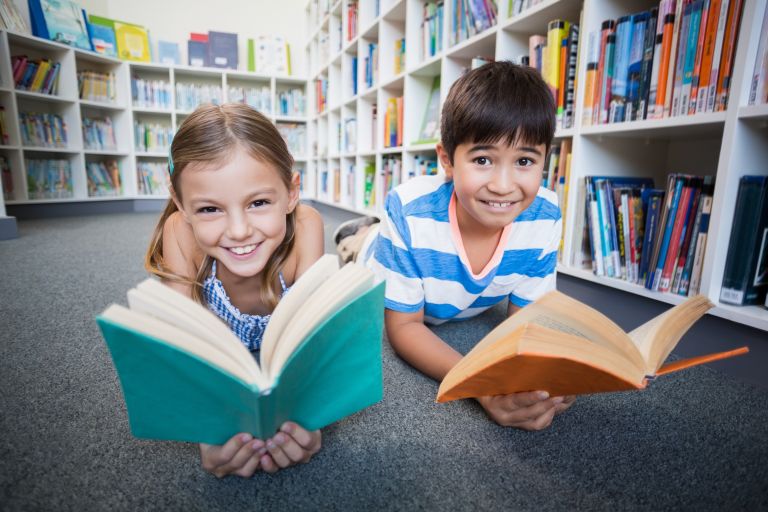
column 222, row 50
column 102, row 34
column 197, row 53
column 690, row 55
column 669, row 223
column 651, row 199
column 635, row 68
column 619, row 84
column 62, row 21
column 168, row 53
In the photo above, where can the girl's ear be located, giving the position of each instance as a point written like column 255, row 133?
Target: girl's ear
column 293, row 191
column 176, row 201
column 445, row 161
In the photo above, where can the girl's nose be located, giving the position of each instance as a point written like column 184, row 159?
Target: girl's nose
column 238, row 227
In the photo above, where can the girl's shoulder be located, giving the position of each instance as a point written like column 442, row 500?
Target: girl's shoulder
column 309, row 242
column 180, row 248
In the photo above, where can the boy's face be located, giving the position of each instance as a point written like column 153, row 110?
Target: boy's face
column 494, row 183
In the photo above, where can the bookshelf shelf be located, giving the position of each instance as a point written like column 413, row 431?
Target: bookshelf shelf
column 725, row 144
column 124, row 113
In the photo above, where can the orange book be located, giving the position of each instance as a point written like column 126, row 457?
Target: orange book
column 699, row 101
column 674, row 48
column 560, row 345
column 729, row 50
column 666, row 48
column 705, row 14
column 400, row 121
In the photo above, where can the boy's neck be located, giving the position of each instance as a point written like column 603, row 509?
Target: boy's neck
column 480, row 242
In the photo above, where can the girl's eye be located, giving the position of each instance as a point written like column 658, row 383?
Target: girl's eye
column 482, row 160
column 525, row 162
column 259, row 202
column 208, row 209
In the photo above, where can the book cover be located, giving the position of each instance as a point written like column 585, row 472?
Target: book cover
column 708, row 50
column 168, row 53
column 62, row 21
column 430, row 123
column 102, row 34
column 132, row 42
column 666, row 231
column 202, row 394
column 222, row 50
column 197, row 52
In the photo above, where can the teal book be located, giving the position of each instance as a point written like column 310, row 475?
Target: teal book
column 186, row 377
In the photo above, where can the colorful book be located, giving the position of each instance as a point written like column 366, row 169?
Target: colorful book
column 102, row 33
column 430, row 123
column 197, row 50
column 186, row 377
column 62, row 21
column 132, row 42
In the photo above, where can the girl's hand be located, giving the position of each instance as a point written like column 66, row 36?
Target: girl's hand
column 528, row 411
column 292, row 445
column 240, row 456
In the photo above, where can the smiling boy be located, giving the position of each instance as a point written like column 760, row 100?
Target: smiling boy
column 450, row 247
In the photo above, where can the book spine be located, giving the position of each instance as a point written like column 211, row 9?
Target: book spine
column 673, row 249
column 607, row 86
column 686, row 236
column 640, row 105
column 600, row 86
column 605, row 228
column 591, row 76
column 595, row 231
column 673, row 52
column 729, row 52
column 629, row 239
column 662, row 222
column 619, row 84
column 699, row 57
column 691, row 45
column 664, row 59
column 708, row 50
column 613, row 229
column 682, row 42
column 685, row 277
column 718, row 51
column 701, row 245
column 667, row 233
column 758, row 76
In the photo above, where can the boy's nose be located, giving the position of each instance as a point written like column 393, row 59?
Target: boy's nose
column 502, row 182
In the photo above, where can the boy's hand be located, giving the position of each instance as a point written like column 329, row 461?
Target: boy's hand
column 528, row 411
column 239, row 456
column 292, row 445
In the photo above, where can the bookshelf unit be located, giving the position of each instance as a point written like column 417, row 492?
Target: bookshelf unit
column 122, row 113
column 726, row 144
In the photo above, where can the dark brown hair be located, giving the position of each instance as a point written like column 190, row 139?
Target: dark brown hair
column 209, row 135
column 499, row 101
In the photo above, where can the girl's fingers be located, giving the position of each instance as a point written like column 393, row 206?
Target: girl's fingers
column 276, row 451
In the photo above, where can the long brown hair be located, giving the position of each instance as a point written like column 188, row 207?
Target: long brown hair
column 209, row 135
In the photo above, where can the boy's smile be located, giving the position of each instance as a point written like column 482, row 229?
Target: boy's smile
column 493, row 183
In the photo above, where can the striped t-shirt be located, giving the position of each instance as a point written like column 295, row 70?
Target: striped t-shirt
column 420, row 254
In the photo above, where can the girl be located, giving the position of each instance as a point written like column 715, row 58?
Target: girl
column 234, row 237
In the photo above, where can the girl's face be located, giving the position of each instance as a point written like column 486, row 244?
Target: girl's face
column 237, row 210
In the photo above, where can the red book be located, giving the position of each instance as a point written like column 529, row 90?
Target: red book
column 674, row 242
column 729, row 50
column 202, row 38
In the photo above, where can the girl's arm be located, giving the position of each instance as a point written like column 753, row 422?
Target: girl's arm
column 310, row 243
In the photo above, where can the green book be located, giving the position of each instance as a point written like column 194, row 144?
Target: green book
column 251, row 56
column 430, row 123
column 186, row 377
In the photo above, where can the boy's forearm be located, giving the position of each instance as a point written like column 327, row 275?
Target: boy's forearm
column 423, row 349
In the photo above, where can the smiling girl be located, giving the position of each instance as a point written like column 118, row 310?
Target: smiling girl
column 234, row 237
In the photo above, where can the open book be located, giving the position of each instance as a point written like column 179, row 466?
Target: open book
column 185, row 376
column 560, row 345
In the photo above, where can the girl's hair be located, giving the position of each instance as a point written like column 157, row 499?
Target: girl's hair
column 209, row 135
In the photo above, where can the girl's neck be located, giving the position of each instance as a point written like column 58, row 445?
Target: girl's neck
column 244, row 292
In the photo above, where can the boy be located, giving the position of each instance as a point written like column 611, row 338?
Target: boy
column 450, row 247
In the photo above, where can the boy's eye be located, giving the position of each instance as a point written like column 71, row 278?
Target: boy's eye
column 482, row 160
column 525, row 162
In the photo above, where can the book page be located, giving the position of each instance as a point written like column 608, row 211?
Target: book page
column 565, row 314
column 352, row 280
column 656, row 338
column 289, row 306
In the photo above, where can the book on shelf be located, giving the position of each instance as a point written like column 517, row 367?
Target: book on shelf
column 62, row 21
column 41, row 76
column 197, row 50
column 758, row 87
column 103, row 178
column 132, row 42
column 560, row 345
column 222, row 49
column 6, row 176
column 430, row 122
column 168, row 53
column 186, row 377
column 432, row 28
column 48, row 179
column 745, row 278
column 11, row 18
column 152, row 178
column 102, row 33
column 369, row 185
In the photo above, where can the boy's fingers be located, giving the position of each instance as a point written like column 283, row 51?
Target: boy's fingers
column 535, row 411
column 543, row 421
column 529, row 398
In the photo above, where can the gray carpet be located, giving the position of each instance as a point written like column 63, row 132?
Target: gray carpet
column 695, row 440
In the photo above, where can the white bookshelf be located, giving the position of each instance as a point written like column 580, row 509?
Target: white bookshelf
column 725, row 144
column 121, row 111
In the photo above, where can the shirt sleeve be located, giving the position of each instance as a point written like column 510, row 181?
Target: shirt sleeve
column 543, row 278
column 392, row 261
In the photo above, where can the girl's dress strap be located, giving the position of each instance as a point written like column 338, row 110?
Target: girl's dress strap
column 282, row 282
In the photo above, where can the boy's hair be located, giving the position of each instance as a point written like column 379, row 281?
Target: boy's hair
column 499, row 101
column 208, row 136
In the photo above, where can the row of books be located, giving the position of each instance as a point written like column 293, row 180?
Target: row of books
column 391, row 174
column 652, row 237
column 291, row 102
column 422, row 166
column 152, row 178
column 369, row 185
column 43, row 130
column 432, row 29
column 259, row 98
column 321, row 94
column 352, row 19
column 151, row 93
column 371, row 62
column 5, row 136
column 393, row 123
column 48, row 179
column 99, row 133
column 96, row 86
column 41, row 75
column 470, row 17
column 103, row 178
column 519, row 6
column 399, row 56
column 758, row 90
column 555, row 56
column 295, row 136
column 672, row 60
column 189, row 96
column 152, row 137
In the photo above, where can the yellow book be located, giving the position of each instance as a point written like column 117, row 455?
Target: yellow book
column 132, row 42
column 40, row 74
column 557, row 30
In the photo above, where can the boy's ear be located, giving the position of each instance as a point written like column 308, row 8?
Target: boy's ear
column 293, row 191
column 176, row 201
column 445, row 161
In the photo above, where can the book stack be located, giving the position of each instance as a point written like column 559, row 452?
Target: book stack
column 471, row 17
column 151, row 93
column 432, row 29
column 99, row 134
column 393, row 123
column 189, row 96
column 152, row 137
column 40, row 75
column 152, row 178
column 758, row 89
column 96, row 86
column 291, row 102
column 391, row 173
column 259, row 98
column 672, row 60
column 103, row 179
column 42, row 130
column 655, row 238
column 295, row 135
column 48, row 179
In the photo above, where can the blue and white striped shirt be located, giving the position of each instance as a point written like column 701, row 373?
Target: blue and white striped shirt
column 420, row 254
